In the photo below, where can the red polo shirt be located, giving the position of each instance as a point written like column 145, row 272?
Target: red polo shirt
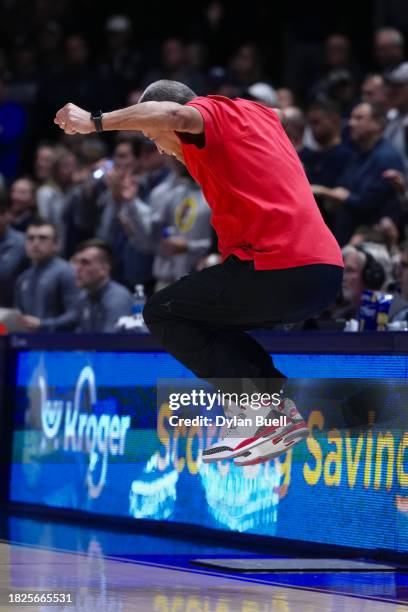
column 251, row 176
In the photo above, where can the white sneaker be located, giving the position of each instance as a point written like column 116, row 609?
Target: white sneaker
column 281, row 440
column 245, row 432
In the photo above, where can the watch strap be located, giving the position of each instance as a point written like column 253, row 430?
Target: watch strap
column 96, row 117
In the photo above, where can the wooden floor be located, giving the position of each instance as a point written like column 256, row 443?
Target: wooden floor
column 101, row 584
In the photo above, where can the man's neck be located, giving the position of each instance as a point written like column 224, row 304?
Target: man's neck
column 97, row 286
column 43, row 262
column 333, row 142
column 369, row 143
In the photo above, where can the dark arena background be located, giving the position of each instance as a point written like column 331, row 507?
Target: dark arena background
column 108, row 499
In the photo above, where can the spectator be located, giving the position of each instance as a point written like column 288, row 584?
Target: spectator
column 130, row 265
column 286, row 98
column 358, row 277
column 43, row 161
column 324, row 165
column 294, row 123
column 121, row 60
column 51, row 198
column 104, row 301
column 12, row 255
column 262, row 93
column 363, row 195
column 396, row 132
column 388, row 48
column 373, row 90
column 23, row 206
column 245, row 66
column 340, row 87
column 49, row 46
column 13, row 122
column 176, row 225
column 402, row 272
column 176, row 67
column 153, row 168
column 78, row 80
column 339, row 70
column 46, row 293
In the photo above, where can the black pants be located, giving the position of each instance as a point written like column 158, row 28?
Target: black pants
column 201, row 318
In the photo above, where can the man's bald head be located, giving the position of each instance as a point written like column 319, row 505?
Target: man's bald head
column 167, row 91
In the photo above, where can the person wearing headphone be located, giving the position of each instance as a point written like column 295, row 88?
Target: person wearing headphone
column 362, row 272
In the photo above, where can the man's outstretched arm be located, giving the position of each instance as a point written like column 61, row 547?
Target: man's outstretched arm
column 145, row 116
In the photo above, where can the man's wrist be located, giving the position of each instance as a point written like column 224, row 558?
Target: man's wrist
column 96, row 118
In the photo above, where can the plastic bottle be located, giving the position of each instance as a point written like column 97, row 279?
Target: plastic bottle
column 139, row 300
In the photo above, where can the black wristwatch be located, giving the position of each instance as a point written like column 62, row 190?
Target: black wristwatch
column 96, row 117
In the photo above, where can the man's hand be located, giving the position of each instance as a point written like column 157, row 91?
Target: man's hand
column 129, row 187
column 320, row 190
column 125, row 222
column 29, row 322
column 174, row 245
column 396, row 179
column 74, row 120
column 337, row 195
column 387, row 227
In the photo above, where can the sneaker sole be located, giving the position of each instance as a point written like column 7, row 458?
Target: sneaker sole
column 282, row 444
column 251, row 443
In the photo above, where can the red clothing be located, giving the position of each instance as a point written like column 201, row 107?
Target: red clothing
column 262, row 205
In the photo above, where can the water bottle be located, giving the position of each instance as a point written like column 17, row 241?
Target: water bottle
column 169, row 230
column 139, row 300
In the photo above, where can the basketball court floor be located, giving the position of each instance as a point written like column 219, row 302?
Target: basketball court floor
column 116, row 571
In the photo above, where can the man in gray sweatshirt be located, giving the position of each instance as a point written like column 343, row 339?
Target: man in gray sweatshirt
column 46, row 294
column 175, row 226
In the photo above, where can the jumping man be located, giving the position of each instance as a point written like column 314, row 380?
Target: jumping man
column 280, row 262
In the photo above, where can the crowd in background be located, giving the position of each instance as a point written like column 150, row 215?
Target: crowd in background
column 84, row 219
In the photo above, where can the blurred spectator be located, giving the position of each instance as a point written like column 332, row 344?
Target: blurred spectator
column 363, row 195
column 51, row 198
column 104, row 301
column 373, row 90
column 78, row 81
column 12, row 255
column 286, row 97
column 176, row 225
column 24, row 82
column 121, row 60
column 13, row 122
column 388, row 48
column 46, row 293
column 153, row 168
column 324, row 165
column 294, row 123
column 175, row 66
column 130, row 264
column 402, row 272
column 399, row 184
column 23, row 205
column 245, row 66
column 337, row 52
column 338, row 73
column 43, row 161
column 263, row 93
column 82, row 208
column 340, row 87
column 396, row 132
column 49, row 47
